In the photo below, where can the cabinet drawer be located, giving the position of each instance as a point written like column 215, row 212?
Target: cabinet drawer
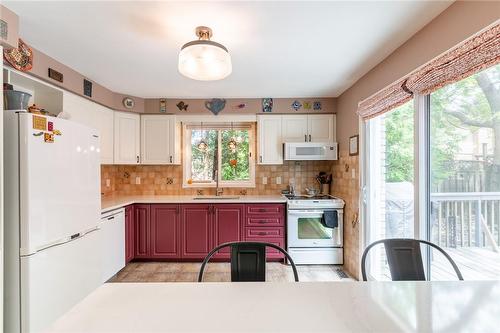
column 265, row 209
column 270, row 252
column 264, row 221
column 264, row 232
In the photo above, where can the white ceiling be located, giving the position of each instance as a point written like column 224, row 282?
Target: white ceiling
column 278, row 49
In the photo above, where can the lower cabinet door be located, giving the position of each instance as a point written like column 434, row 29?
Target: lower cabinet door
column 196, row 230
column 228, row 226
column 270, row 252
column 129, row 233
column 141, row 231
column 165, row 231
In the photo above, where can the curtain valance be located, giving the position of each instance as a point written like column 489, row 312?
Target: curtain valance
column 469, row 57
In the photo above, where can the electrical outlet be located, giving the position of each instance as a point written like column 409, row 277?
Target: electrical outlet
column 137, row 180
column 353, row 173
column 264, row 180
column 108, row 182
column 278, row 180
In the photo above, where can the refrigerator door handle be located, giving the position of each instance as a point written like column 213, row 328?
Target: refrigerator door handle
column 29, row 252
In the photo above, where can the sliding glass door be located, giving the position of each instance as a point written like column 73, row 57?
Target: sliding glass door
column 390, row 159
column 464, row 120
column 447, row 192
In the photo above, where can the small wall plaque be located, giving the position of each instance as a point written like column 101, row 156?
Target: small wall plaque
column 55, row 75
column 163, row 105
column 87, row 88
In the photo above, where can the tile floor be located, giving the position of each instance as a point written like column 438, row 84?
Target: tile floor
column 220, row 272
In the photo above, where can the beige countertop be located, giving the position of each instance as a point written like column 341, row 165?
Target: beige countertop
column 405, row 306
column 118, row 201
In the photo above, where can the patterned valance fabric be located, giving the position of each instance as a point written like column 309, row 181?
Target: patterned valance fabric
column 467, row 58
column 385, row 100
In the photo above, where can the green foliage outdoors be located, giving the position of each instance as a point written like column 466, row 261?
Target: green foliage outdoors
column 456, row 111
column 203, row 163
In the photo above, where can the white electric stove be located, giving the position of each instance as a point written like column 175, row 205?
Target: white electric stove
column 309, row 240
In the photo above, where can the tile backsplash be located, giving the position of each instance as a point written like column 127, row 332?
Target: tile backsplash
column 167, row 179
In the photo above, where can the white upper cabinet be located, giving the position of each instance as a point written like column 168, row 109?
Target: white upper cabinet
column 294, row 128
column 321, row 128
column 81, row 110
column 270, row 139
column 160, row 139
column 308, row 128
column 127, row 138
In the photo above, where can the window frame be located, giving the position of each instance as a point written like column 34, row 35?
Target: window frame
column 187, row 162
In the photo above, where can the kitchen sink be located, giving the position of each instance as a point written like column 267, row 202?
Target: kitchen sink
column 221, row 197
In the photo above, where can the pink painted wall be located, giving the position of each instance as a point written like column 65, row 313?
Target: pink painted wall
column 12, row 21
column 457, row 23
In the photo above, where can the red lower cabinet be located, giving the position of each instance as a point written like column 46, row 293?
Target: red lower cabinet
column 191, row 231
column 129, row 233
column 141, row 231
column 228, row 226
column 196, row 230
column 165, row 231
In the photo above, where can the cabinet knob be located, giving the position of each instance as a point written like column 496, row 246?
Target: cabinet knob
column 170, row 159
column 137, row 158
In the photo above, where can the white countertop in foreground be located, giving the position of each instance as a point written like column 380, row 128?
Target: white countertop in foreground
column 113, row 202
column 288, row 307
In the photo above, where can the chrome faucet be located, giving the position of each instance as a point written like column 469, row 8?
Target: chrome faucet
column 218, row 191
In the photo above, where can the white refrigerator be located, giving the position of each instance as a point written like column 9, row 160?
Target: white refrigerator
column 52, row 213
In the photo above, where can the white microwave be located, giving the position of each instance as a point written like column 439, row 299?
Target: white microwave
column 310, row 151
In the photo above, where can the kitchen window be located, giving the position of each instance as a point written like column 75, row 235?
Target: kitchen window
column 219, row 152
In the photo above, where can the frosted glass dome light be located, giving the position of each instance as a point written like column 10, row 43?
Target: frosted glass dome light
column 204, row 59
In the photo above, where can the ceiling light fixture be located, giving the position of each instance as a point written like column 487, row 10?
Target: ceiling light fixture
column 204, row 59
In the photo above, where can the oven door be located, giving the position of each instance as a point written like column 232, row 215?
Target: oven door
column 306, row 230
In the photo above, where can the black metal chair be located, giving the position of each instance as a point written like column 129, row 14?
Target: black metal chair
column 405, row 259
column 248, row 261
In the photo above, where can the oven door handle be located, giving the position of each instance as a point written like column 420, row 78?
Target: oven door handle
column 305, row 212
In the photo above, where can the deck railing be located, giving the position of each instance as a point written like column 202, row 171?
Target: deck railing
column 466, row 219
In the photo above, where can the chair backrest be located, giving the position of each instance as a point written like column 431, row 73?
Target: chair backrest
column 248, row 261
column 405, row 259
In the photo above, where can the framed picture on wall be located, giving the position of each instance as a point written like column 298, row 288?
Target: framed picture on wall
column 354, row 145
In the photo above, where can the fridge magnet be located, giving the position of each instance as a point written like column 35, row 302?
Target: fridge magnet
column 296, row 105
column 38, row 134
column 353, row 145
column 128, row 103
column 182, row 106
column 317, row 106
column 48, row 137
column 50, row 126
column 307, row 105
column 56, row 132
column 215, row 105
column 267, row 105
column 240, row 106
column 20, row 58
column 39, row 123
column 163, row 105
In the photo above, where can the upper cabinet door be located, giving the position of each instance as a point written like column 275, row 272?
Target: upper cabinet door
column 160, row 140
column 321, row 128
column 295, row 128
column 270, row 140
column 127, row 138
column 94, row 115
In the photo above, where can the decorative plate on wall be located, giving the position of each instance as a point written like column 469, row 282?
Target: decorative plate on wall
column 296, row 105
column 317, row 106
column 215, row 105
column 20, row 58
column 128, row 103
